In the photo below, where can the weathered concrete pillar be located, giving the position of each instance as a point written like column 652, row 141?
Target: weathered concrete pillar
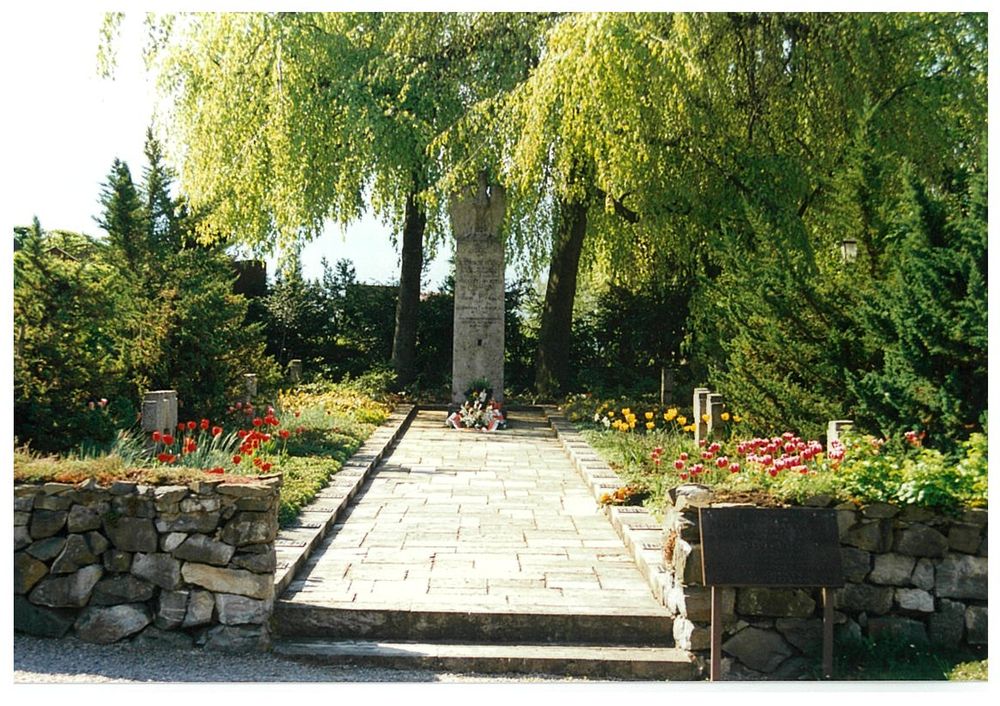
column 700, row 406
column 833, row 429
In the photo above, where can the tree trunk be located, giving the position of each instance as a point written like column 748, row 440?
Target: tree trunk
column 552, row 356
column 404, row 340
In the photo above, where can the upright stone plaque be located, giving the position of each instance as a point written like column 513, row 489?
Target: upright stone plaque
column 699, row 407
column 159, row 413
column 715, row 404
column 478, row 343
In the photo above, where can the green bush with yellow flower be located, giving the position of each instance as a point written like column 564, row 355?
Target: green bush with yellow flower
column 652, row 448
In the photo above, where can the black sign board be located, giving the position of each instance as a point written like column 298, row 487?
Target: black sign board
column 746, row 546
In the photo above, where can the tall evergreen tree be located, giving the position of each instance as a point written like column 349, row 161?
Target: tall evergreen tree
column 124, row 217
column 930, row 317
column 163, row 227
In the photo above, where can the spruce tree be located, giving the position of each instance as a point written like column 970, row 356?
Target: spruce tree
column 124, row 217
column 930, row 318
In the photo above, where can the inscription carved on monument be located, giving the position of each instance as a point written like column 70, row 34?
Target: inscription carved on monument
column 478, row 344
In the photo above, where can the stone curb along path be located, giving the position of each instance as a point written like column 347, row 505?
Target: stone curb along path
column 296, row 542
column 640, row 532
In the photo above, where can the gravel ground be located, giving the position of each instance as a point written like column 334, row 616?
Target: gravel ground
column 49, row 661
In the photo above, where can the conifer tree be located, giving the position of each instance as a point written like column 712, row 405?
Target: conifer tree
column 930, row 318
column 124, row 217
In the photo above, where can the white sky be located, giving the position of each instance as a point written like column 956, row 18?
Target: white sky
column 66, row 125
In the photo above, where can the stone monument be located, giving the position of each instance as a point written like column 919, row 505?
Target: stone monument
column 478, row 341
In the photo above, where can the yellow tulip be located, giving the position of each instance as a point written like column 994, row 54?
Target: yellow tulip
column 611, row 413
column 725, row 416
column 682, row 420
column 670, row 414
column 650, row 426
column 704, row 418
column 737, row 418
column 648, row 415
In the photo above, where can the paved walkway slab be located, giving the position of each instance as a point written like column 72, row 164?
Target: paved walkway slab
column 469, row 521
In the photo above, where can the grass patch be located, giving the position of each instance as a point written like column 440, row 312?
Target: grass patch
column 894, row 659
column 303, row 478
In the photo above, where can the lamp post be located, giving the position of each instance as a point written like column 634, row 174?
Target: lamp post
column 849, row 249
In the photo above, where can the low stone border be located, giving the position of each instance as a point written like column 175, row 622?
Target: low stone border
column 180, row 565
column 295, row 543
column 641, row 533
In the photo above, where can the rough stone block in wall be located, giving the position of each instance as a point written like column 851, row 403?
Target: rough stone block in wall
column 47, row 549
column 847, row 517
column 915, row 599
column 907, row 630
column 806, row 635
column 976, row 624
column 923, row 574
column 27, row 572
column 946, row 626
column 761, row 650
column 879, row 511
column 104, row 625
column 870, row 535
column 921, row 540
column 687, row 563
column 857, row 597
column 856, row 563
column 775, row 602
column 691, row 636
column 962, row 576
column 892, row 569
column 964, row 537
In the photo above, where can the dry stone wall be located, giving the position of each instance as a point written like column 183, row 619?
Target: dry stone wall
column 183, row 565
column 910, row 572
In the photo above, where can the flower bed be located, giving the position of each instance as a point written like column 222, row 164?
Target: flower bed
column 788, row 469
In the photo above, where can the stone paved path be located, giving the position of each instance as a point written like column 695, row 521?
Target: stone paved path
column 468, row 521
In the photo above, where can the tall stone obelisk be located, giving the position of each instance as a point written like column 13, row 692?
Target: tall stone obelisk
column 478, row 342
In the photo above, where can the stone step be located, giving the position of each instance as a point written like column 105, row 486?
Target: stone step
column 593, row 661
column 296, row 619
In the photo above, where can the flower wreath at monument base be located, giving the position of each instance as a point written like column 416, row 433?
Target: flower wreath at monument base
column 480, row 410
